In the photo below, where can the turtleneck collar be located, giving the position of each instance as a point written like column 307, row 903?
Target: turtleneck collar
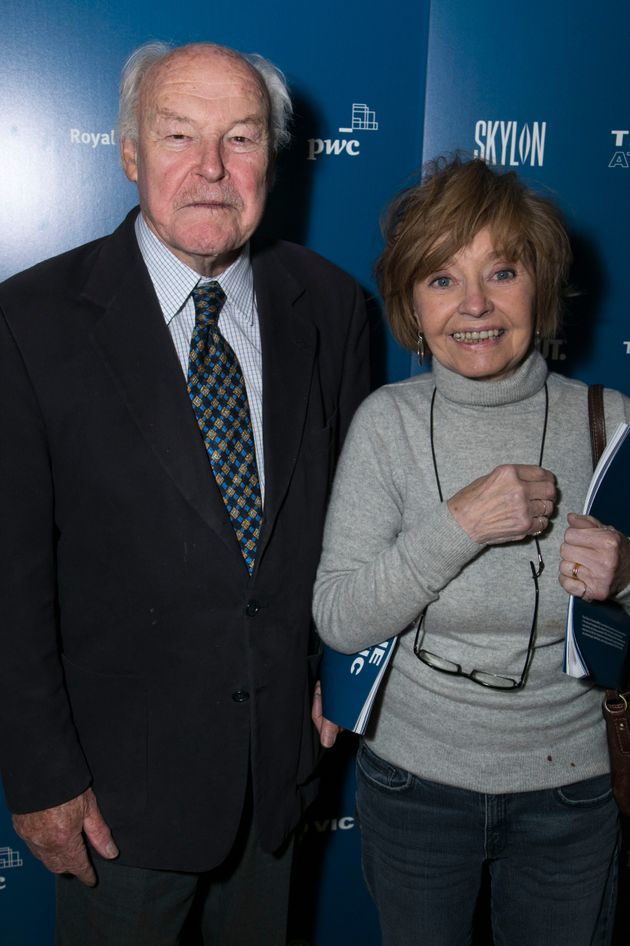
column 523, row 383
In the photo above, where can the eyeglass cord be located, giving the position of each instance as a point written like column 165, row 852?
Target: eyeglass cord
column 432, row 430
column 535, row 572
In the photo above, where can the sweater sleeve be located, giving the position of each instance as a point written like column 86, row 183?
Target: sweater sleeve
column 379, row 570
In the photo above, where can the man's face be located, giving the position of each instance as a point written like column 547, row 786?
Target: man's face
column 201, row 161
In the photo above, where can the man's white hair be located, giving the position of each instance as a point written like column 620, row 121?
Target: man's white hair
column 147, row 55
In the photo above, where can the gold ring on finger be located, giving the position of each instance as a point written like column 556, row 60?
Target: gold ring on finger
column 575, row 570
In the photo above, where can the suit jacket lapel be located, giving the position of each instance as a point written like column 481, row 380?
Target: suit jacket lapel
column 289, row 341
column 134, row 341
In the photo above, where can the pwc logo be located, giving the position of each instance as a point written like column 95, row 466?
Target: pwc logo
column 363, row 119
column 8, row 858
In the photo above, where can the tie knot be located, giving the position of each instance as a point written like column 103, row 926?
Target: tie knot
column 208, row 300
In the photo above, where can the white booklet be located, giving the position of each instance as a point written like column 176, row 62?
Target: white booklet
column 597, row 641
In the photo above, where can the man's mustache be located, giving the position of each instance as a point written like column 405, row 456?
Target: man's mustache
column 216, row 198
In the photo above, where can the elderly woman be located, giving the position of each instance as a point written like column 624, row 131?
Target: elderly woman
column 447, row 526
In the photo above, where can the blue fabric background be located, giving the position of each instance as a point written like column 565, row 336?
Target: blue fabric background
column 437, row 74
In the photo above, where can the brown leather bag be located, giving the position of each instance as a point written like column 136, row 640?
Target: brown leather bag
column 615, row 707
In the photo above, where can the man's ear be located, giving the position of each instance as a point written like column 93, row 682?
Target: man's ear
column 129, row 158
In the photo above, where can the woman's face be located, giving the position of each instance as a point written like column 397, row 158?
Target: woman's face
column 477, row 312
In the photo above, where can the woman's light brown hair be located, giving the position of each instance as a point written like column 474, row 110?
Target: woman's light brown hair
column 427, row 224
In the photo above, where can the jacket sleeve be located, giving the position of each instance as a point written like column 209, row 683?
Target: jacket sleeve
column 40, row 757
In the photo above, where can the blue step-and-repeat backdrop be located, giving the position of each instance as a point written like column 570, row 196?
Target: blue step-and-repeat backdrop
column 541, row 87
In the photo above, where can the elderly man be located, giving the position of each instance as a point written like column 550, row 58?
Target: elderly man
column 174, row 397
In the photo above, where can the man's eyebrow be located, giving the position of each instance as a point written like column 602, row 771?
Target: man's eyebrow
column 251, row 120
column 172, row 116
column 169, row 115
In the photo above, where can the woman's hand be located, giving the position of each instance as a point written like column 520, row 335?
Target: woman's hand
column 595, row 559
column 512, row 502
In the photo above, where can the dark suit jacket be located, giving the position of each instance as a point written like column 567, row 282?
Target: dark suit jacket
column 137, row 653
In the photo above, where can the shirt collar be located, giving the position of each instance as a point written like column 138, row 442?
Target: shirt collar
column 174, row 281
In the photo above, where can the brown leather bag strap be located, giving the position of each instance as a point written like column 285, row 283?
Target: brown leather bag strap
column 596, row 421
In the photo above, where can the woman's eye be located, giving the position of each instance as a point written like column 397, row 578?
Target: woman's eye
column 441, row 282
column 502, row 275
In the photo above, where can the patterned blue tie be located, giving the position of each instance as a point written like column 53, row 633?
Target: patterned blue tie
column 219, row 399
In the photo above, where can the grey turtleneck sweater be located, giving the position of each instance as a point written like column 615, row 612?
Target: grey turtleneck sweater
column 391, row 549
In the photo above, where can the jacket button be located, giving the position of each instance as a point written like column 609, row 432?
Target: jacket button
column 252, row 609
column 240, row 696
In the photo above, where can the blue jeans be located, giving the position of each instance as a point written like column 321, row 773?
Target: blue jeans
column 551, row 857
